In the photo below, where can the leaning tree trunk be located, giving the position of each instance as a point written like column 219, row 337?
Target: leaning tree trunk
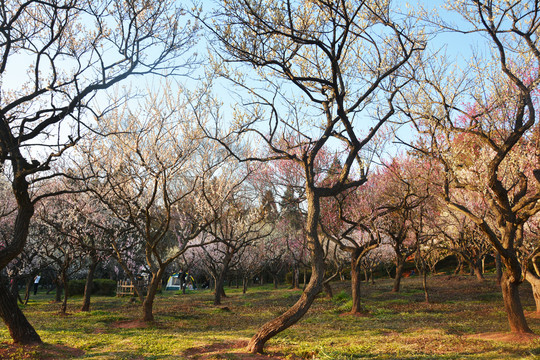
column 399, row 273
column 19, row 328
column 356, row 282
column 313, row 288
column 89, row 285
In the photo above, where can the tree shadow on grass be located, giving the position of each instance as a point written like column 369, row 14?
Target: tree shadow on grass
column 233, row 350
column 38, row 352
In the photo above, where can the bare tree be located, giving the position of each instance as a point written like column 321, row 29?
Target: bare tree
column 325, row 72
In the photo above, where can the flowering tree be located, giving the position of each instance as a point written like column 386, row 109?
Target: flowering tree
column 348, row 220
column 71, row 50
column 482, row 129
column 463, row 238
column 79, row 222
column 237, row 222
column 403, row 199
column 151, row 176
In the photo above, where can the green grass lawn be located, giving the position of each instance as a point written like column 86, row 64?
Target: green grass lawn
column 464, row 321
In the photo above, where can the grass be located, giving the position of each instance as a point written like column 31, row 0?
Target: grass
column 397, row 326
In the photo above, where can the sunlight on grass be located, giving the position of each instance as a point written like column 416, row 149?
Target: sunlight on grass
column 395, row 325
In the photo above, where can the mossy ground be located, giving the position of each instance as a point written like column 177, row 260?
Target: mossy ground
column 465, row 320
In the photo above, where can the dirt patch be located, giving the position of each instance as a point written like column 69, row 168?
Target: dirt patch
column 506, row 337
column 130, row 324
column 234, row 350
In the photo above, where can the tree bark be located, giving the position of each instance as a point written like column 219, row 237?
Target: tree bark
column 19, row 328
column 244, row 284
column 313, row 288
column 89, row 285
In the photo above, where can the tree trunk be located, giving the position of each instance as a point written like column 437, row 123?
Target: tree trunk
column 63, row 310
column 534, row 280
column 27, row 289
column 424, row 285
column 276, row 281
column 399, row 274
column 58, row 295
column 356, row 283
column 244, row 284
column 459, row 267
column 328, row 289
column 477, row 269
column 148, row 302
column 313, row 288
column 220, row 291
column 89, row 285
column 512, row 303
column 19, row 328
column 296, row 277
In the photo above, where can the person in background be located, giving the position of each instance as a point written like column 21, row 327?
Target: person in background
column 36, row 283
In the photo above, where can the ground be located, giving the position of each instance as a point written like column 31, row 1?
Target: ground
column 465, row 320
